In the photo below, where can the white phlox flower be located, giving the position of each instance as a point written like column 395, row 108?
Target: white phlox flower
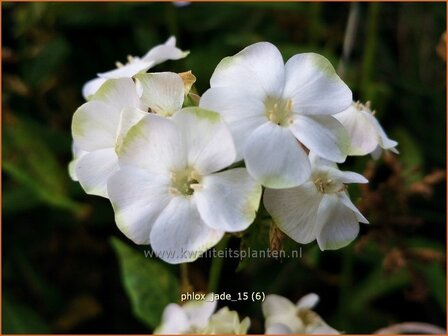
column 284, row 317
column 318, row 209
column 98, row 128
column 135, row 65
column 271, row 107
column 366, row 134
column 170, row 191
column 198, row 317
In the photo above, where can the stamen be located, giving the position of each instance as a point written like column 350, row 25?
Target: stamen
column 119, row 64
column 196, row 186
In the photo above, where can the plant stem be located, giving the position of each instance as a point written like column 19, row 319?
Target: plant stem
column 185, row 285
column 370, row 50
column 216, row 267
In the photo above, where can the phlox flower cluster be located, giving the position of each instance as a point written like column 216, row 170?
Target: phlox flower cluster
column 281, row 317
column 181, row 170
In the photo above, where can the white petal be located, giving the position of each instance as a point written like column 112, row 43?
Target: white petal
column 207, row 138
column 323, row 135
column 383, row 140
column 94, row 169
column 363, row 136
column 345, row 199
column 317, row 161
column 164, row 52
column 128, row 118
column 277, row 305
column 91, row 87
column 275, row 158
column 278, row 329
column 179, row 235
column 163, row 92
column 199, row 312
column 118, row 93
column 138, row 197
column 94, row 126
column 128, row 70
column 174, row 321
column 314, row 86
column 153, row 144
column 77, row 154
column 346, row 176
column 340, row 225
column 228, row 200
column 241, row 111
column 294, row 211
column 257, row 69
column 309, row 301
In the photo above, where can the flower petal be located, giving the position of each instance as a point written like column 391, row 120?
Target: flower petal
column 179, row 235
column 257, row 69
column 94, row 169
column 128, row 70
column 199, row 312
column 153, row 144
column 363, row 135
column 346, row 176
column 91, row 87
column 277, row 305
column 228, row 200
column 275, row 158
column 77, row 154
column 340, row 225
column 138, row 197
column 207, row 138
column 163, row 92
column 174, row 321
column 278, row 310
column 94, row 126
column 309, row 301
column 241, row 111
column 383, row 139
column 323, row 135
column 314, row 87
column 118, row 93
column 128, row 118
column 345, row 199
column 164, row 52
column 294, row 211
column 278, row 329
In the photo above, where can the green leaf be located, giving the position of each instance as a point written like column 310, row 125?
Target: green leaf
column 20, row 319
column 30, row 162
column 148, row 283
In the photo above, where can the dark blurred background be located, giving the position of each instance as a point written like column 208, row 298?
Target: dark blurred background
column 60, row 268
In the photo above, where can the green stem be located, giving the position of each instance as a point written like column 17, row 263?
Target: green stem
column 184, row 280
column 345, row 284
column 216, row 267
column 370, row 50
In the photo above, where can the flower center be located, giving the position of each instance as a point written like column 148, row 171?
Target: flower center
column 184, row 182
column 279, row 111
column 327, row 185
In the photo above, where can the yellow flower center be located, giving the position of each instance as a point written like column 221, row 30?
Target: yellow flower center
column 279, row 111
column 185, row 182
column 326, row 185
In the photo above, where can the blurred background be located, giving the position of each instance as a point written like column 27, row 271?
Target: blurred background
column 67, row 269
